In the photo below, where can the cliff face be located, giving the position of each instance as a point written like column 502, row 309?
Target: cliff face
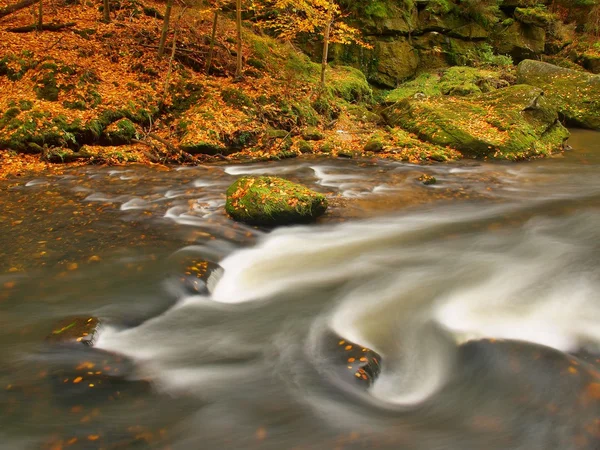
column 413, row 35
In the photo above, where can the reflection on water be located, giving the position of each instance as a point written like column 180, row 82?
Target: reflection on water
column 477, row 296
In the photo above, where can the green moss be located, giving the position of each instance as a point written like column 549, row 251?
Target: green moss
column 120, row 133
column 25, row 105
column 304, row 147
column 7, row 66
column 272, row 201
column 501, row 124
column 8, row 116
column 426, row 84
column 575, row 94
column 374, row 145
column 349, row 84
column 236, row 98
column 538, row 16
column 312, row 134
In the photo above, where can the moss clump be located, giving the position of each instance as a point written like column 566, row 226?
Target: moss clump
column 512, row 123
column 47, row 89
column 374, row 145
column 304, row 147
column 349, row 84
column 538, row 16
column 236, row 98
column 469, row 80
column 312, row 134
column 272, row 201
column 120, row 133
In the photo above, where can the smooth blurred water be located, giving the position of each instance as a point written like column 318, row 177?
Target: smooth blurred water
column 480, row 293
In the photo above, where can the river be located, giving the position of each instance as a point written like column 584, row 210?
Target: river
column 479, row 294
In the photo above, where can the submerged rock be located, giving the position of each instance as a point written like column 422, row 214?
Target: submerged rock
column 510, row 123
column 75, row 329
column 575, row 94
column 351, row 361
column 427, row 180
column 273, row 201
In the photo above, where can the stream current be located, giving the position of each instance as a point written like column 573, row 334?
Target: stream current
column 480, row 294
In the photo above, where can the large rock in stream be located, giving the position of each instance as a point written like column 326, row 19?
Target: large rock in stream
column 272, row 201
column 575, row 94
column 511, row 123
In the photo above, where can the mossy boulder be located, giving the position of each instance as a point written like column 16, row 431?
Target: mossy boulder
column 374, row 145
column 538, row 16
column 511, row 123
column 456, row 81
column 575, row 94
column 305, row 147
column 120, row 132
column 272, row 201
column 312, row 134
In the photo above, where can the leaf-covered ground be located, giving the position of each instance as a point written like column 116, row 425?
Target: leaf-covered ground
column 97, row 93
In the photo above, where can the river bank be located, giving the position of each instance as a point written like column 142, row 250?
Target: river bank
column 73, row 96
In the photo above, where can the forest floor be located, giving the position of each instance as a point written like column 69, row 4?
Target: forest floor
column 91, row 92
column 97, row 93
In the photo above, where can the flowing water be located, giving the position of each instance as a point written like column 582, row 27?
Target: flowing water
column 480, row 294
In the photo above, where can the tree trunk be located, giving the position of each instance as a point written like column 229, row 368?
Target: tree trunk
column 238, row 22
column 165, row 29
column 16, row 7
column 45, row 27
column 40, row 22
column 106, row 11
column 325, row 53
column 212, row 42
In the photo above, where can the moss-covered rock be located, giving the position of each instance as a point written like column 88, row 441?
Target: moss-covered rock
column 575, row 94
column 273, row 201
column 374, row 145
column 427, row 180
column 512, row 123
column 312, row 134
column 120, row 132
column 349, row 84
column 305, row 147
column 456, row 81
column 537, row 15
column 469, row 80
column 426, row 84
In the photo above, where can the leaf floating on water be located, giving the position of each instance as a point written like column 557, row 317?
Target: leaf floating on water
column 63, row 329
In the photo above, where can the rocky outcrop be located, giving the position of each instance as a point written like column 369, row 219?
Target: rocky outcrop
column 511, row 123
column 574, row 94
column 522, row 40
column 424, row 35
column 272, row 201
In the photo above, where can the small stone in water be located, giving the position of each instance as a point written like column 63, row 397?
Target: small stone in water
column 427, row 179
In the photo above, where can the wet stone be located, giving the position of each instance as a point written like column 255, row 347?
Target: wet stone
column 75, row 329
column 427, row 180
column 352, row 362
